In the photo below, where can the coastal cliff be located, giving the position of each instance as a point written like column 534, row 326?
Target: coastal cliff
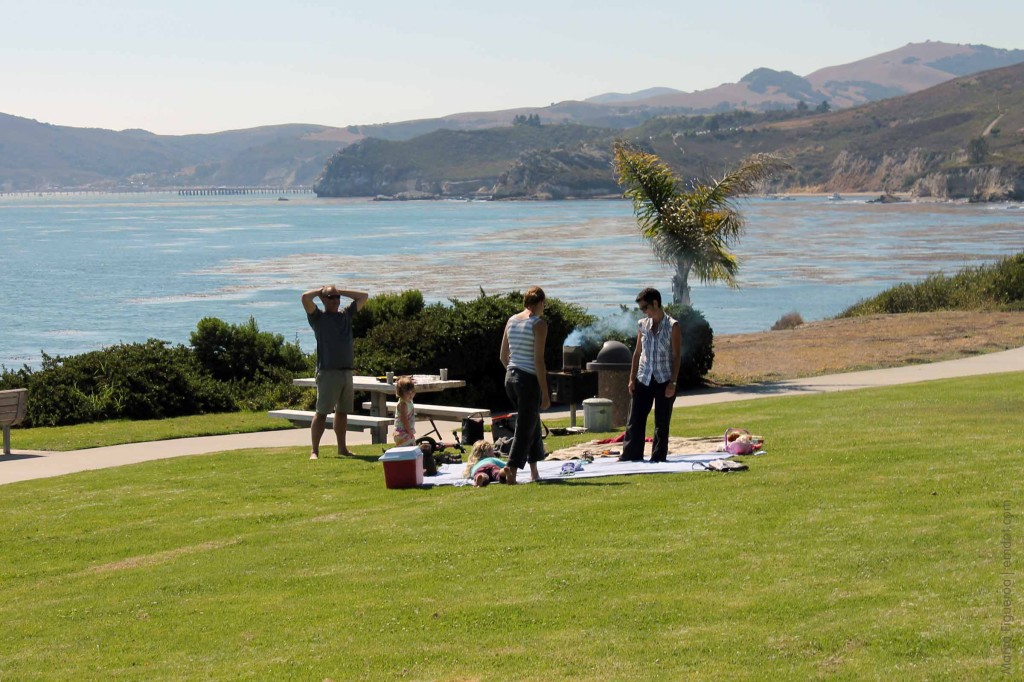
column 926, row 174
column 581, row 173
column 893, row 172
column 977, row 183
column 443, row 163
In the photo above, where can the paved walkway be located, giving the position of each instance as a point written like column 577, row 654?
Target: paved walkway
column 23, row 465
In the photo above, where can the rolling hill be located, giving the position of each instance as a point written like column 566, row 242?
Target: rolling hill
column 39, row 156
column 906, row 70
column 916, row 143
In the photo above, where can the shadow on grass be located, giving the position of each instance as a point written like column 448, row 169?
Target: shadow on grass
column 578, row 481
column 760, row 388
column 361, row 458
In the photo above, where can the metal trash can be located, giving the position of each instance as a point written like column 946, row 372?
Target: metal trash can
column 597, row 414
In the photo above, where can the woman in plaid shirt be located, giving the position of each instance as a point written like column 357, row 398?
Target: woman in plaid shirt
column 652, row 378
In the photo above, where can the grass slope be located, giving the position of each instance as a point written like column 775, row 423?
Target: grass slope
column 866, row 544
column 116, row 432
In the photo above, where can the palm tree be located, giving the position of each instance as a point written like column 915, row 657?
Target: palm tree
column 690, row 231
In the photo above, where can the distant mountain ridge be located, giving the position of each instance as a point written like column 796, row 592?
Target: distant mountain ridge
column 36, row 156
column 908, row 69
column 617, row 97
column 960, row 139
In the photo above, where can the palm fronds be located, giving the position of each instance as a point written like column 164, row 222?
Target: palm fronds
column 690, row 229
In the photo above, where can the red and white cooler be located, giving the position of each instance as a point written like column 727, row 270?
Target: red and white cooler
column 403, row 467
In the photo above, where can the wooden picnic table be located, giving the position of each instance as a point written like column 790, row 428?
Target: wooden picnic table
column 380, row 391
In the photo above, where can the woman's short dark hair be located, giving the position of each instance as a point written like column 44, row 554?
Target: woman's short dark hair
column 649, row 295
column 534, row 295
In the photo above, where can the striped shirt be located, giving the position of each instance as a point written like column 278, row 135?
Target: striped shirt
column 521, row 344
column 656, row 352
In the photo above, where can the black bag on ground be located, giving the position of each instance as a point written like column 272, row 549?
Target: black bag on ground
column 503, row 426
column 472, row 430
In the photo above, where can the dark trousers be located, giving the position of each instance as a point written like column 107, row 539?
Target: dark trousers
column 639, row 408
column 524, row 392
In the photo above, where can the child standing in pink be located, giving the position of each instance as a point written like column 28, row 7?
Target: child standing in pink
column 405, row 422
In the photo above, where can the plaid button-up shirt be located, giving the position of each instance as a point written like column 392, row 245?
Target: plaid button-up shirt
column 656, row 352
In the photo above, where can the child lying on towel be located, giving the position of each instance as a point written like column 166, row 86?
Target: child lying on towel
column 482, row 466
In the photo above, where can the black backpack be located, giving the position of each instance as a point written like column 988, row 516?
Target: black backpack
column 472, row 430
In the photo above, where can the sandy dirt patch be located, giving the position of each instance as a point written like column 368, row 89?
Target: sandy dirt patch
column 870, row 342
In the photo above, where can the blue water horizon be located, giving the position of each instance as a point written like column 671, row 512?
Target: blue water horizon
column 85, row 272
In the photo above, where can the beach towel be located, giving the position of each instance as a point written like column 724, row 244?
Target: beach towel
column 677, row 445
column 451, row 474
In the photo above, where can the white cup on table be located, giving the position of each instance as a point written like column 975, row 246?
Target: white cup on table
column 391, row 377
column 444, row 374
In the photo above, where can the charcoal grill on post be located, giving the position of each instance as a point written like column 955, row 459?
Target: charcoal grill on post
column 573, row 384
column 612, row 365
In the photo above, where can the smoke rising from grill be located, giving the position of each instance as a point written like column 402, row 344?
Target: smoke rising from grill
column 617, row 325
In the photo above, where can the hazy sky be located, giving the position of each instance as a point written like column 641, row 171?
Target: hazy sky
column 191, row 67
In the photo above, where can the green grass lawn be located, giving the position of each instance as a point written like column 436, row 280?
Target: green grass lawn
column 80, row 436
column 866, row 544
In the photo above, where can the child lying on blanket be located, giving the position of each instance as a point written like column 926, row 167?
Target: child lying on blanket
column 482, row 466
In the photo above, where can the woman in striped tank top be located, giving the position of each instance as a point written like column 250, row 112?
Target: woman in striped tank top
column 526, row 381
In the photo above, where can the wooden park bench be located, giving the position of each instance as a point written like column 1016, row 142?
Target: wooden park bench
column 13, row 405
column 356, row 422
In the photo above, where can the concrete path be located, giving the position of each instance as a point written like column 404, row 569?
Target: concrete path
column 23, row 465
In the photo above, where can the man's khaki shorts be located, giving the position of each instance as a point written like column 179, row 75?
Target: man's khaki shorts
column 334, row 391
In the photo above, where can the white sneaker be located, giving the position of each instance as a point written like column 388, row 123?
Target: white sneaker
column 313, row 455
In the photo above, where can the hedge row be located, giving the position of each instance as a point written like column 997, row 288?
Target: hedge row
column 229, row 367
column 999, row 286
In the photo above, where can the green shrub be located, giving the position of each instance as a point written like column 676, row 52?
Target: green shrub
column 698, row 345
column 254, row 368
column 229, row 367
column 256, row 396
column 996, row 286
column 387, row 307
column 465, row 338
column 148, row 380
column 1004, row 283
column 242, row 353
column 14, row 378
column 790, row 320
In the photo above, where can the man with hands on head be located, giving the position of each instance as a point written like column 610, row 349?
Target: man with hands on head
column 332, row 328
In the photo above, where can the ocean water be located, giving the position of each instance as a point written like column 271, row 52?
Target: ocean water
column 82, row 272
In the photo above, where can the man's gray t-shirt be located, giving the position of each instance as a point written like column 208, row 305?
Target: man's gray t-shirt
column 333, row 333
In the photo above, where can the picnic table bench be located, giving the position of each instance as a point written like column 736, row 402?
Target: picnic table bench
column 442, row 411
column 356, row 422
column 13, row 405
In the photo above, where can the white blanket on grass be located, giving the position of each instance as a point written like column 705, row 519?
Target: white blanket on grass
column 451, row 474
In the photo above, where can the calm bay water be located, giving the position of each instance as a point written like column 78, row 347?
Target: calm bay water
column 79, row 273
